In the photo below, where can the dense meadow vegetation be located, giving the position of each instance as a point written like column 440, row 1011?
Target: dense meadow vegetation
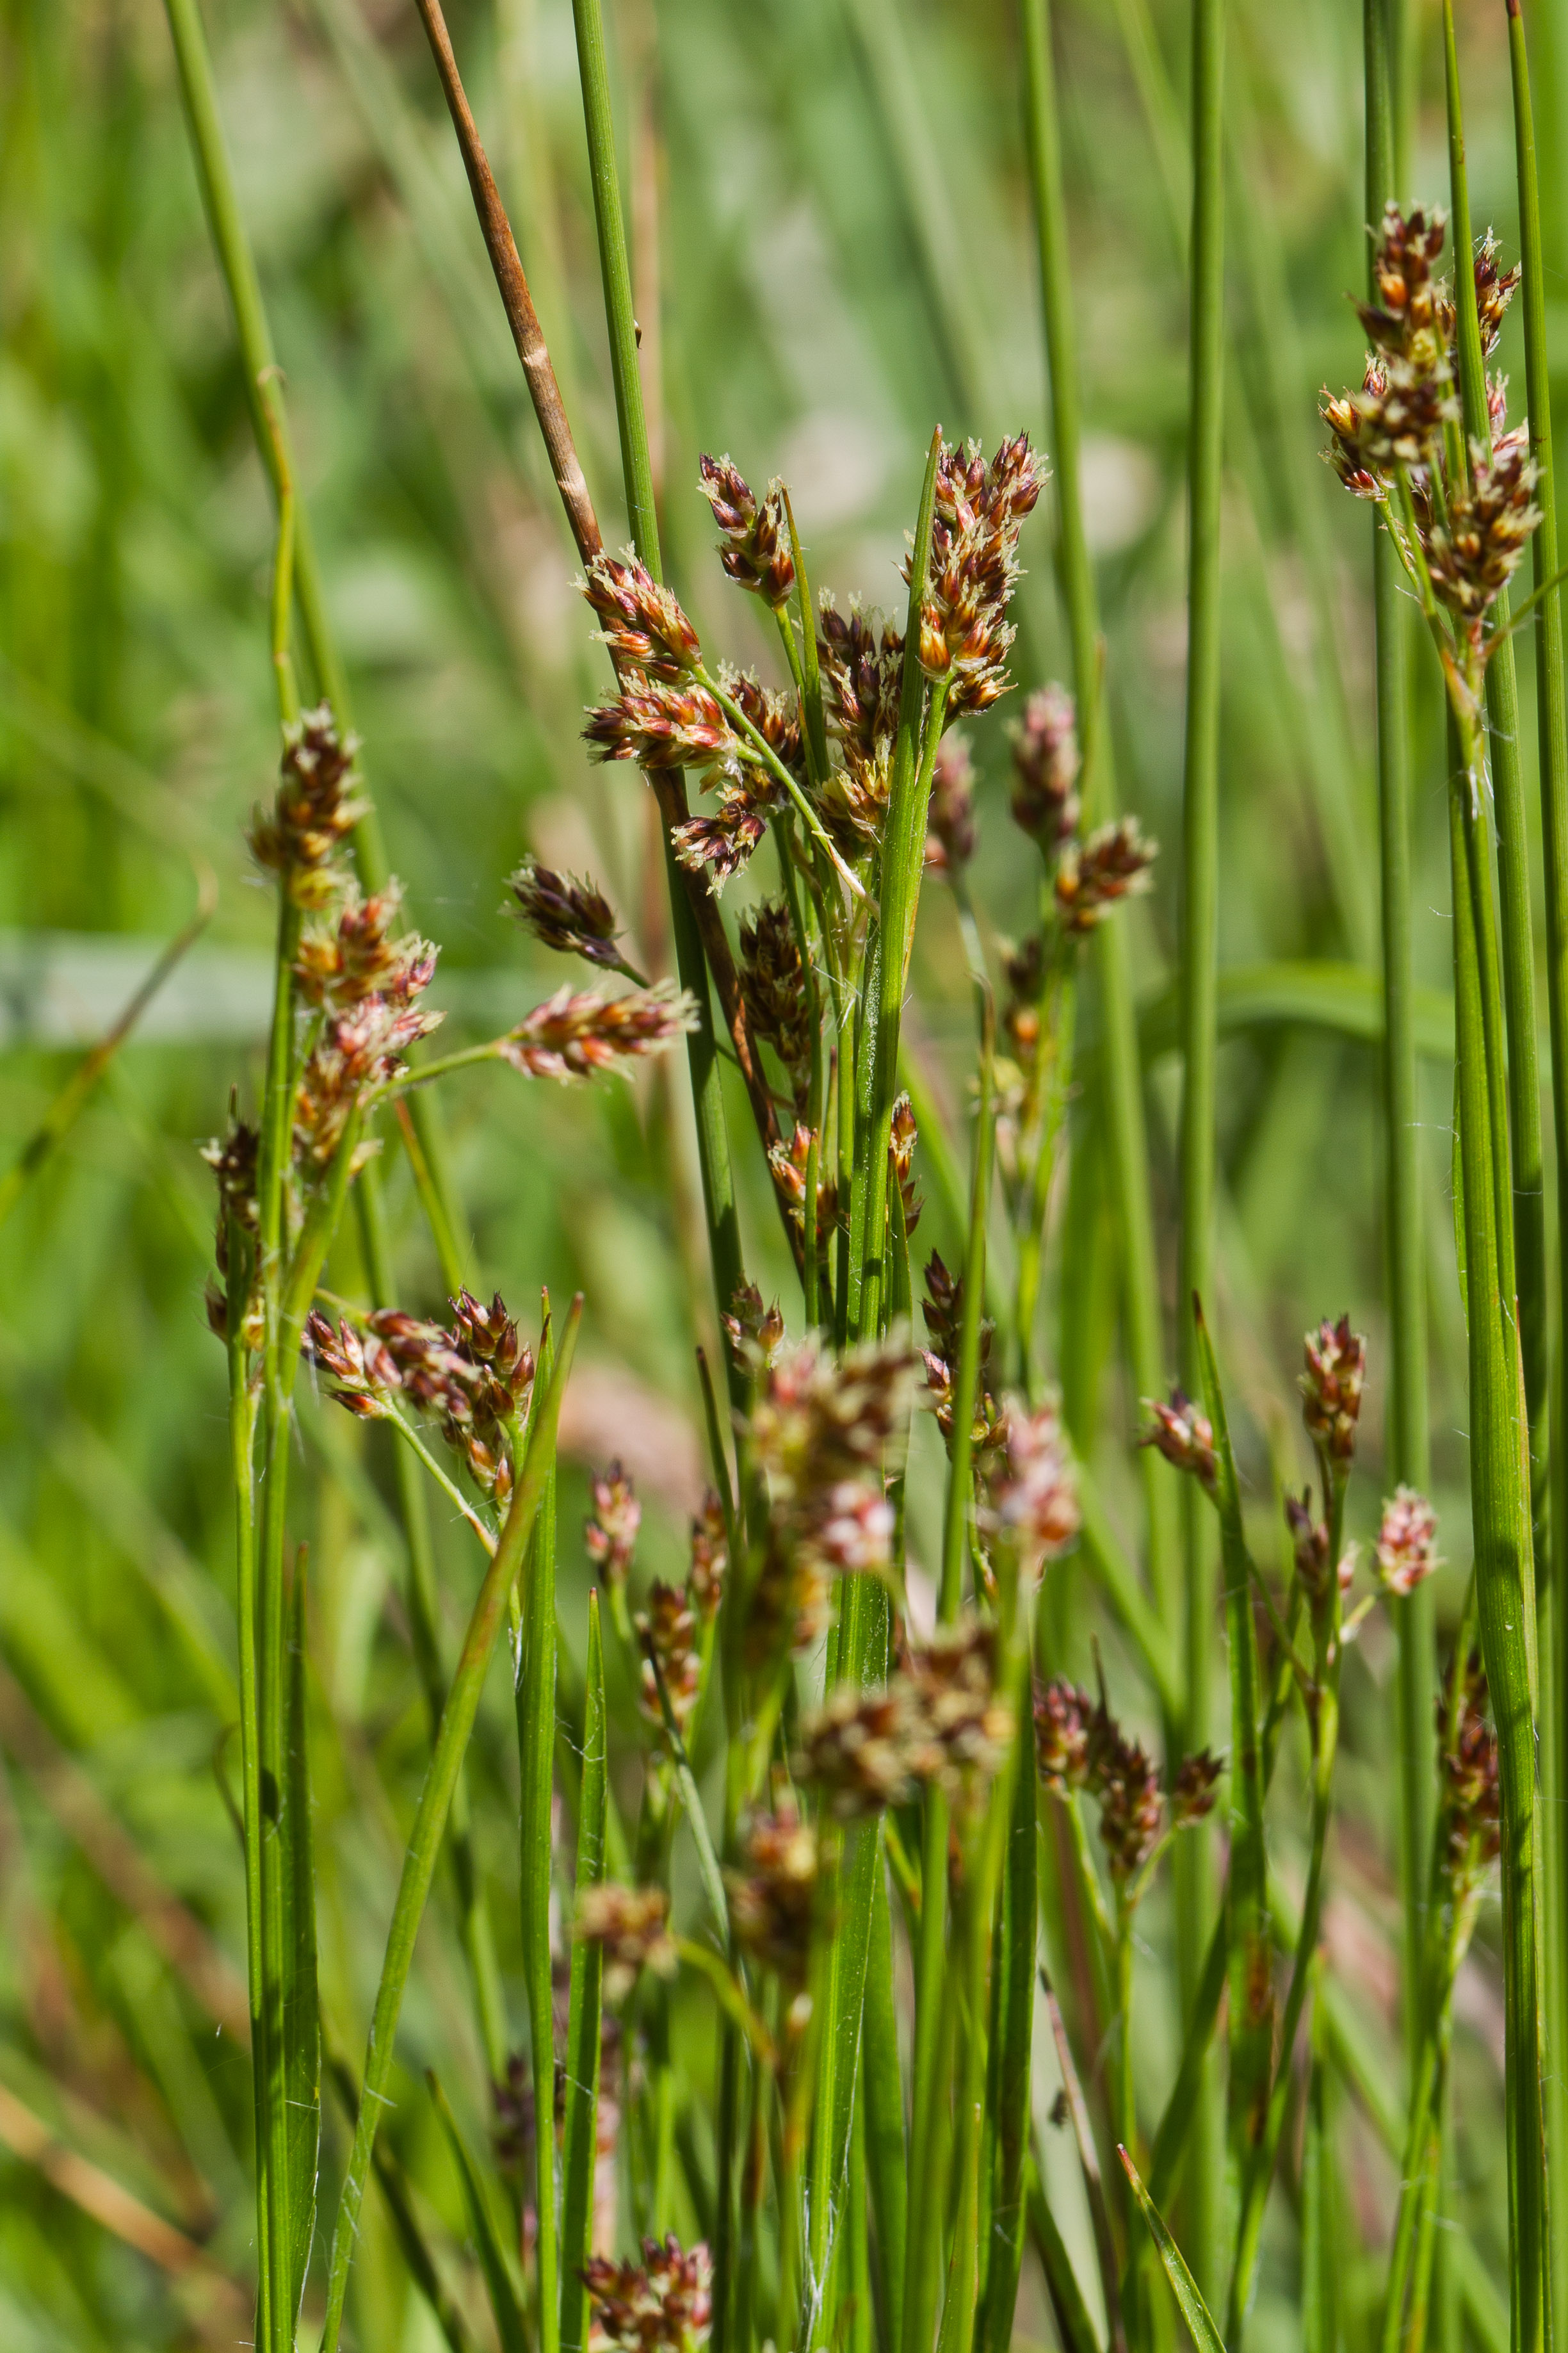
column 689, row 723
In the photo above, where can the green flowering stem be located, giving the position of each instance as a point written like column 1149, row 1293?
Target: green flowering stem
column 1055, row 1049
column 435, row 1797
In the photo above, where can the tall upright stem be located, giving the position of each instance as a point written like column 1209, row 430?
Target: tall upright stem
column 1408, row 1450
column 1198, row 976
column 1551, row 714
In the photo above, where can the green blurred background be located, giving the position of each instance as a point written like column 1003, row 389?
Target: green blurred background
column 832, row 251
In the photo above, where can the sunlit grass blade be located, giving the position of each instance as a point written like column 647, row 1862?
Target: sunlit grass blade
column 1189, row 2301
column 584, row 2014
column 506, row 2304
column 435, row 1797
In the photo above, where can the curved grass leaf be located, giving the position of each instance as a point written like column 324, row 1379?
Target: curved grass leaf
column 506, row 2304
column 1184, row 2288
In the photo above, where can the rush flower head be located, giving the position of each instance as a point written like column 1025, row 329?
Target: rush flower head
column 1495, row 290
column 1331, row 1388
column 903, row 1137
column 1405, row 323
column 233, row 1159
column 1475, row 553
column 950, row 837
column 862, row 657
column 1407, row 1548
column 1192, row 1791
column 361, row 954
column 1184, row 1434
column 773, row 987
column 1395, row 419
column 1032, row 1500
column 1310, row 1542
column 1064, row 1715
column 754, row 539
column 663, row 2305
column 1046, row 764
column 1472, row 1798
column 1023, row 970
column 791, row 1604
column 644, row 627
column 773, row 1899
column 663, row 724
column 316, row 809
column 358, row 1051
column 720, row 841
column 1128, row 1787
column 363, row 1368
column 817, row 1420
column 774, row 716
column 566, row 913
column 980, row 509
column 710, row 1557
column 756, row 1332
column 571, row 1036
column 667, row 1628
column 476, row 1379
column 1112, row 864
column 631, row 1924
column 610, row 1531
column 938, row 1721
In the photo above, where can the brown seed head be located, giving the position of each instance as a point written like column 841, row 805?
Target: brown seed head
column 753, row 540
column 564, row 912
column 1331, row 1388
column 360, row 1363
column 938, row 1721
column 788, row 1167
column 357, row 1051
column 710, row 1557
column 316, row 809
column 669, row 1626
column 903, row 1137
column 1473, row 555
column 1112, row 864
column 1192, row 1791
column 817, row 1422
column 773, row 1899
column 341, row 963
column 1404, row 323
column 663, row 724
column 773, row 986
column 1063, row 1716
column 1407, row 1548
column 720, row 841
column 663, row 2305
column 1046, row 766
column 1032, row 1493
column 610, row 1531
column 630, row 1923
column 1184, row 1434
column 980, row 509
column 571, row 1036
column 1472, row 1794
column 645, row 628
column 756, row 1332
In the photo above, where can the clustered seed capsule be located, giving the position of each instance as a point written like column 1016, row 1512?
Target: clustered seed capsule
column 1331, row 1388
column 1046, row 766
column 571, row 915
column 631, row 1924
column 571, row 1036
column 939, row 1722
column 1184, row 1434
column 979, row 509
column 950, row 822
column 774, row 990
column 663, row 2305
column 773, row 1899
column 1406, row 1549
column 753, row 538
column 1112, row 865
column 1080, row 1745
column 943, row 1308
column 477, row 1378
column 610, row 1531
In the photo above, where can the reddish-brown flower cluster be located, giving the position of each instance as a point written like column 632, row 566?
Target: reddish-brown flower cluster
column 862, row 658
column 1472, row 1800
column 1473, row 552
column 1310, row 1542
column 571, row 915
column 343, row 962
column 787, row 1166
column 1331, row 1388
column 754, row 539
column 1406, row 1549
column 903, row 1138
column 943, row 1308
column 710, row 1558
column 610, row 1531
column 663, row 2305
column 939, row 1721
column 1080, row 1745
column 316, row 808
column 756, row 1332
column 773, row 1899
column 823, row 1434
column 773, row 987
column 477, row 1378
column 1031, row 1499
column 1046, row 766
column 233, row 1160
column 979, row 510
column 631, row 1924
column 1184, row 1434
column 644, row 626
column 950, row 822
column 1112, row 865
column 667, row 1628
column 358, row 1051
column 573, row 1037
column 1406, row 322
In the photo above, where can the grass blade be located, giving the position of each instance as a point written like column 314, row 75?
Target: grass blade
column 1013, row 1971
column 300, row 2007
column 1189, row 2301
column 887, row 2156
column 435, row 1797
column 584, row 2014
column 535, row 1705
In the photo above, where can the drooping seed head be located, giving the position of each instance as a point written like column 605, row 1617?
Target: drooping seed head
column 569, row 914
column 573, row 1037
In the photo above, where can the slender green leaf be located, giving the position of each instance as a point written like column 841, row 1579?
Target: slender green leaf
column 301, row 2008
column 887, row 2156
column 1071, row 2311
column 534, row 1694
column 1190, row 2304
column 1012, row 1974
